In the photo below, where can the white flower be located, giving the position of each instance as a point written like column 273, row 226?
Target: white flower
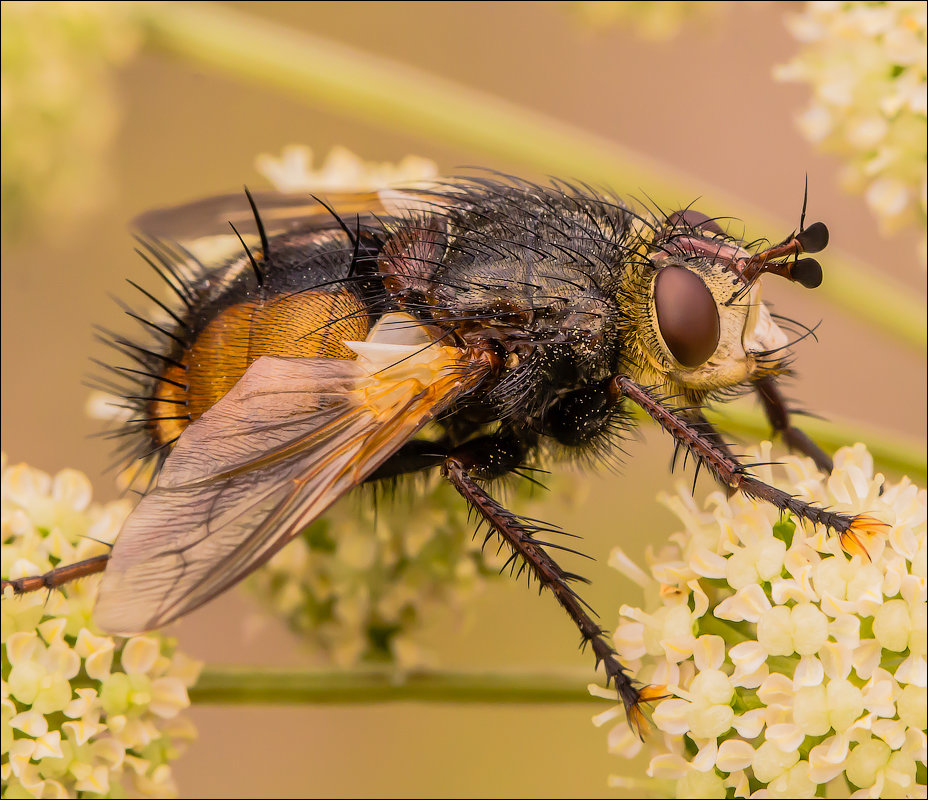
column 59, row 113
column 866, row 64
column 785, row 630
column 650, row 20
column 72, row 720
column 342, row 171
column 786, row 673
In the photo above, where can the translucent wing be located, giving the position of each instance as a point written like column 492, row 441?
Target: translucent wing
column 279, row 212
column 289, row 438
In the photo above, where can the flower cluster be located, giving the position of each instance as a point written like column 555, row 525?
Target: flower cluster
column 81, row 712
column 790, row 668
column 362, row 582
column 58, row 110
column 651, row 20
column 866, row 64
column 342, row 171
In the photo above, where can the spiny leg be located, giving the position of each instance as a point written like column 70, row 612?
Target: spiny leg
column 459, row 468
column 698, row 421
column 779, row 415
column 732, row 473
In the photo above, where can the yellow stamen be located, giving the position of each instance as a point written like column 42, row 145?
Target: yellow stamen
column 669, row 590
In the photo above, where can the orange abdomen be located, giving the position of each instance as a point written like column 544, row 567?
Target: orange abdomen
column 304, row 324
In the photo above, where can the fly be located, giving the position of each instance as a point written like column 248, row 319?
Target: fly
column 521, row 321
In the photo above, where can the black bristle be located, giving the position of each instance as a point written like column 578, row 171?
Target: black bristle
column 341, row 223
column 158, row 303
column 259, row 223
column 259, row 276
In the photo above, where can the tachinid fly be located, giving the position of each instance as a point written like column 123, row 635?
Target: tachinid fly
column 517, row 321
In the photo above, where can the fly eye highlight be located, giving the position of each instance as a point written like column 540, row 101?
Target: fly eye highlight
column 686, row 315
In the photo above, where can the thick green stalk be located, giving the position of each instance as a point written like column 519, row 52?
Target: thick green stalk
column 414, row 102
column 889, row 451
column 243, row 686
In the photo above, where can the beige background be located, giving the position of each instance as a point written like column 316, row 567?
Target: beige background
column 703, row 102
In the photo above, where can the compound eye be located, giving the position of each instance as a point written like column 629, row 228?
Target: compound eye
column 686, row 315
column 696, row 220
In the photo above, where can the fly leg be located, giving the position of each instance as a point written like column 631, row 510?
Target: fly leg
column 491, row 456
column 733, row 474
column 58, row 576
column 779, row 415
column 699, row 423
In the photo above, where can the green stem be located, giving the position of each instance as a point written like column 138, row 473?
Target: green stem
column 378, row 90
column 719, row 627
column 890, row 452
column 241, row 685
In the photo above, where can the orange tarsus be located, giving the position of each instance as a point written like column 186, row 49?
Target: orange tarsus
column 862, row 527
column 637, row 719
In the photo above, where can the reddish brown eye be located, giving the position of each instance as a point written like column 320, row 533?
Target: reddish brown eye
column 690, row 218
column 686, row 315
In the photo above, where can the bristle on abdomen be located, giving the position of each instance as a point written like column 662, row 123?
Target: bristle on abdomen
column 195, row 348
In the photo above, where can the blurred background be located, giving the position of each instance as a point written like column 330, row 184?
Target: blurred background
column 689, row 88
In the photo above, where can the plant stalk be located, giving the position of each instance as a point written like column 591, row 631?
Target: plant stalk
column 890, row 452
column 229, row 685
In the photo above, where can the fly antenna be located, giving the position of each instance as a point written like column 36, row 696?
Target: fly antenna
column 805, row 201
column 775, row 260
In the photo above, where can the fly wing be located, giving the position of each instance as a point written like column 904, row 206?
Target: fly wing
column 280, row 212
column 289, row 438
